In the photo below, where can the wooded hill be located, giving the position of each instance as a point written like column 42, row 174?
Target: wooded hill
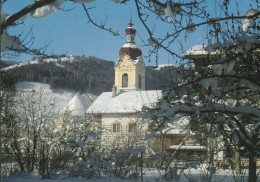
column 84, row 74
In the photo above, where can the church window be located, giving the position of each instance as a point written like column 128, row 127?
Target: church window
column 140, row 81
column 116, row 127
column 125, row 80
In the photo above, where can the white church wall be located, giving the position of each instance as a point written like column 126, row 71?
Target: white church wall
column 111, row 134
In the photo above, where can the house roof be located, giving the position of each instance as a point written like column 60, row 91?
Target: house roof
column 187, row 147
column 78, row 105
column 180, row 125
column 198, row 51
column 125, row 102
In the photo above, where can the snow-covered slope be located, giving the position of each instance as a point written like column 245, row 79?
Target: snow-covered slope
column 10, row 62
column 62, row 99
column 59, row 99
column 67, row 58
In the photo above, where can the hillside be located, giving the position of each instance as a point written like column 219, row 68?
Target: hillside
column 6, row 63
column 82, row 74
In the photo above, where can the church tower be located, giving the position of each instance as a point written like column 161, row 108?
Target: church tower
column 130, row 67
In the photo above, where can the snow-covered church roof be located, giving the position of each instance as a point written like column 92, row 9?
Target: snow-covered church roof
column 125, row 102
column 78, row 105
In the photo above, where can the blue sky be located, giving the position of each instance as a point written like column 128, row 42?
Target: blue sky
column 69, row 31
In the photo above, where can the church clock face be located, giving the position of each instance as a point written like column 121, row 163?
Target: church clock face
column 125, row 66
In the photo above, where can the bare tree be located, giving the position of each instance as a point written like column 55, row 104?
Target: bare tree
column 222, row 87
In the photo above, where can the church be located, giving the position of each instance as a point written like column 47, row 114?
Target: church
column 118, row 114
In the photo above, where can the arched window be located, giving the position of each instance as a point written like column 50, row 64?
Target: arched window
column 140, row 81
column 125, row 80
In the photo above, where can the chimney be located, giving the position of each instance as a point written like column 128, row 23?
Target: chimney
column 114, row 90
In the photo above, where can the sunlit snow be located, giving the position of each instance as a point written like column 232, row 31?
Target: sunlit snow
column 246, row 21
column 168, row 11
column 47, row 9
column 125, row 102
column 60, row 98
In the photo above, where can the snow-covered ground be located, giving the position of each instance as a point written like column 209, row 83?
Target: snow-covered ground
column 150, row 175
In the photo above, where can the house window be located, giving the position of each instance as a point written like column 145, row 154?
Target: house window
column 125, row 80
column 116, row 127
column 131, row 127
column 140, row 82
column 98, row 118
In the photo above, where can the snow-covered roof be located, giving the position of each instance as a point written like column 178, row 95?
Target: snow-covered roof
column 131, row 45
column 125, row 102
column 78, row 105
column 204, row 50
column 196, row 50
column 163, row 66
column 188, row 147
column 179, row 125
column 217, row 49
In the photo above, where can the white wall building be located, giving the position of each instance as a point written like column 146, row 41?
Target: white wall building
column 119, row 113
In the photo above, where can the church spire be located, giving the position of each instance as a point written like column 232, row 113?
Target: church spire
column 130, row 32
column 130, row 67
column 130, row 48
column 131, row 23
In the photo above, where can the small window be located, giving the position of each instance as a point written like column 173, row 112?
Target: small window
column 125, row 80
column 116, row 127
column 98, row 118
column 131, row 127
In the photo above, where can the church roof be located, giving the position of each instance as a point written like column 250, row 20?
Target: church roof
column 125, row 102
column 130, row 48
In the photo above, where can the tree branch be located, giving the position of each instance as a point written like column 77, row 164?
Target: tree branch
column 99, row 26
column 11, row 19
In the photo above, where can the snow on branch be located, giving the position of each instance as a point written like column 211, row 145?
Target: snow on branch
column 250, row 14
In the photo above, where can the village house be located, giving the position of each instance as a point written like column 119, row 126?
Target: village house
column 223, row 153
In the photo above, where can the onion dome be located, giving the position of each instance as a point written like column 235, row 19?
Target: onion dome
column 130, row 48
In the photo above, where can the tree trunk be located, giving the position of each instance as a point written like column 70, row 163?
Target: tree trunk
column 252, row 167
column 16, row 148
column 210, row 150
column 34, row 150
column 237, row 161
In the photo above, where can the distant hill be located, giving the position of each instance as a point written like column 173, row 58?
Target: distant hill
column 6, row 63
column 82, row 74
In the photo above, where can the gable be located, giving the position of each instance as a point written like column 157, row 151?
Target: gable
column 126, row 59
